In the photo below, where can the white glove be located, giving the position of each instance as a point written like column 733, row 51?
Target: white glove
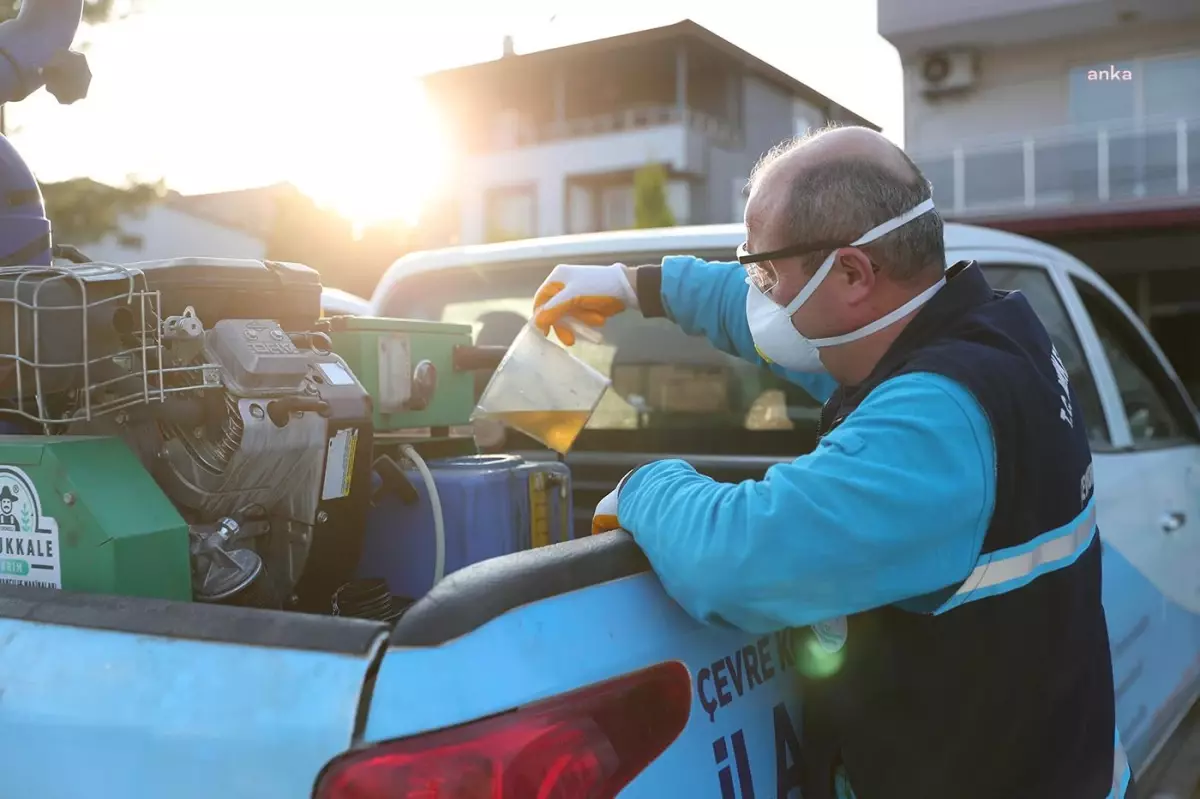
column 604, row 518
column 586, row 294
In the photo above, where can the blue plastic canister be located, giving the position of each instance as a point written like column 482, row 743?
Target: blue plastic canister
column 490, row 504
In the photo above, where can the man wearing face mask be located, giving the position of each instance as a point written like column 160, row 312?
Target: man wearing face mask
column 940, row 544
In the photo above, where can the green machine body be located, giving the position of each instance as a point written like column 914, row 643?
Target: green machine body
column 409, row 368
column 81, row 513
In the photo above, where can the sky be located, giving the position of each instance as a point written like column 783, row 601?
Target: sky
column 211, row 95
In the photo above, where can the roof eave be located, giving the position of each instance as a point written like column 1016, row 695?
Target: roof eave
column 684, row 29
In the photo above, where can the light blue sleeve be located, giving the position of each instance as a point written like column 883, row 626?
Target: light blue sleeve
column 708, row 298
column 892, row 505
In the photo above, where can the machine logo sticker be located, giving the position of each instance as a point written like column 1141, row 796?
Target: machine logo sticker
column 29, row 553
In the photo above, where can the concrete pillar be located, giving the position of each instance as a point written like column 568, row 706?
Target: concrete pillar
column 681, row 81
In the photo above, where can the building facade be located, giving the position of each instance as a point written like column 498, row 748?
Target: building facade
column 549, row 142
column 163, row 231
column 1016, row 106
column 1073, row 121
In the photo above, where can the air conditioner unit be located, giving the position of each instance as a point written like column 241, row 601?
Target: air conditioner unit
column 948, row 72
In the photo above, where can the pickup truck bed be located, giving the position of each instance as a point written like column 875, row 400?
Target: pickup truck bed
column 152, row 698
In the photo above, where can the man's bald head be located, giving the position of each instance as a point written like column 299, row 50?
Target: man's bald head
column 835, row 184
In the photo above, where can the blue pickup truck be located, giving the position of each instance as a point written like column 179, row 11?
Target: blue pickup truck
column 181, row 436
column 565, row 670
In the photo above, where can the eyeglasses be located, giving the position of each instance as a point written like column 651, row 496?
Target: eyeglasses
column 761, row 270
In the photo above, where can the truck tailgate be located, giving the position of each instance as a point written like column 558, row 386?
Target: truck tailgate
column 744, row 702
column 139, row 698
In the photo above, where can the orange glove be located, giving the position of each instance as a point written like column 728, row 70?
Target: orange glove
column 605, row 517
column 581, row 294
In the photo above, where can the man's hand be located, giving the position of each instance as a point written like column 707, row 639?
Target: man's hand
column 605, row 517
column 587, row 294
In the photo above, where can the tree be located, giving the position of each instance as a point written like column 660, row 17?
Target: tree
column 650, row 207
column 83, row 211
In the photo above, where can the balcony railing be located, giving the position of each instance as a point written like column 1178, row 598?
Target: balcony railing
column 1151, row 161
column 525, row 133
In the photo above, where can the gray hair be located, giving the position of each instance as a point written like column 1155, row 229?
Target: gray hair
column 841, row 199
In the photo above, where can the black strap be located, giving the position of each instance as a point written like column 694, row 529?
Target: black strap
column 648, row 288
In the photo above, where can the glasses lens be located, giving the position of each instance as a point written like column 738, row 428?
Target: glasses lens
column 762, row 274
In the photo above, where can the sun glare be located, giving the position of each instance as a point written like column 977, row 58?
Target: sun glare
column 379, row 162
column 334, row 107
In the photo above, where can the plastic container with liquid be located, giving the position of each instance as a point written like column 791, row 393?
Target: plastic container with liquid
column 542, row 390
column 492, row 505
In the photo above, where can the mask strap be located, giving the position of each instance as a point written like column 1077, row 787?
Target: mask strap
column 890, row 225
column 874, row 233
column 879, row 324
column 812, row 285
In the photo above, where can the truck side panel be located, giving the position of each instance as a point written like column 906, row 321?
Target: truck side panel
column 88, row 712
column 743, row 691
column 1156, row 669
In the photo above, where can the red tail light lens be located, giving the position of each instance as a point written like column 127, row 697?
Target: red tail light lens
column 587, row 744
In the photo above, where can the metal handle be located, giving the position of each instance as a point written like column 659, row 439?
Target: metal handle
column 1172, row 521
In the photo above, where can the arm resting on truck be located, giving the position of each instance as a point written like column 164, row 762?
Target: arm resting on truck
column 893, row 505
column 708, row 298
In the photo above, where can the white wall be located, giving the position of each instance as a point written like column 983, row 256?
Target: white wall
column 1024, row 89
column 918, row 24
column 548, row 165
column 169, row 233
column 913, row 26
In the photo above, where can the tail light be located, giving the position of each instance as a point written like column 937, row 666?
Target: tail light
column 587, row 744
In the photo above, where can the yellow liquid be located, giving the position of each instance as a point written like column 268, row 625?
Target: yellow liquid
column 556, row 429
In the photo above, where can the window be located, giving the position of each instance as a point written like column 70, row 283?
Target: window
column 679, row 200
column 670, row 392
column 511, row 213
column 1035, row 284
column 804, row 117
column 1153, row 88
column 1101, row 93
column 616, row 208
column 1157, row 412
column 1172, row 86
column 581, row 209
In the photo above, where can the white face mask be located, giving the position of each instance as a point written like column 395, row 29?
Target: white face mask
column 777, row 339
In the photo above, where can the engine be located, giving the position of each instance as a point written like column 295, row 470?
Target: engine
column 260, row 457
column 257, row 432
